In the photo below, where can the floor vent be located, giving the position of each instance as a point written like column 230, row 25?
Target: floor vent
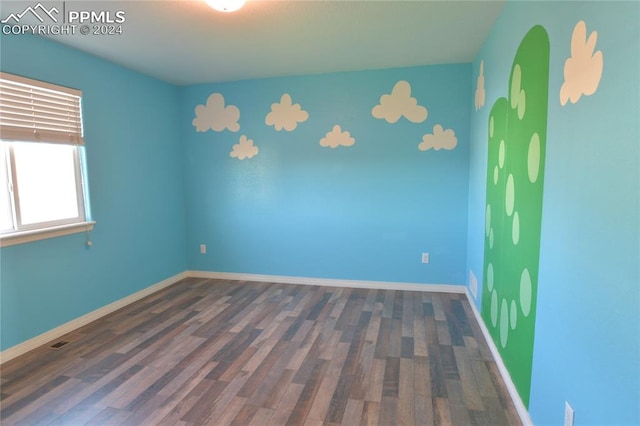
column 58, row 345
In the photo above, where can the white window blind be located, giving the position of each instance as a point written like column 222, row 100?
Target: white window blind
column 33, row 111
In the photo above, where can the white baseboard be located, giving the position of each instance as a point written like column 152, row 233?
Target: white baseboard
column 385, row 285
column 329, row 282
column 72, row 325
column 511, row 387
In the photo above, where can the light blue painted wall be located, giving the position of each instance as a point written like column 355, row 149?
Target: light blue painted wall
column 586, row 348
column 363, row 212
column 135, row 176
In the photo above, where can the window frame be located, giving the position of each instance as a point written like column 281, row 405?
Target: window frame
column 11, row 135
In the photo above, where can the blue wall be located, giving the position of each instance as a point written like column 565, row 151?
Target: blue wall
column 361, row 212
column 586, row 347
column 135, row 178
column 159, row 189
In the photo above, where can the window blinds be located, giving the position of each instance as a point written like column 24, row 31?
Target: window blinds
column 33, row 111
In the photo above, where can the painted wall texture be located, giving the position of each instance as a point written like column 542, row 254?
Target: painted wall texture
column 353, row 175
column 135, row 179
column 347, row 175
column 585, row 344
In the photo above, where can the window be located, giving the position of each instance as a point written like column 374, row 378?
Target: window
column 42, row 184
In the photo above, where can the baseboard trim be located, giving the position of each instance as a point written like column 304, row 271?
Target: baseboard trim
column 511, row 387
column 72, row 325
column 329, row 282
column 385, row 285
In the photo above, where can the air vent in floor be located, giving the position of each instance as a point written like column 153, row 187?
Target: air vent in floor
column 58, row 345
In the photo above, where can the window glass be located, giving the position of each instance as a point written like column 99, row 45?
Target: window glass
column 6, row 215
column 46, row 182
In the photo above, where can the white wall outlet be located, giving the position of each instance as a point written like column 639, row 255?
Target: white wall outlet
column 568, row 414
column 425, row 257
column 473, row 285
column 203, row 249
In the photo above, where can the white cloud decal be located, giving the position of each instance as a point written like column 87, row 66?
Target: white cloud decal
column 480, row 92
column 336, row 138
column 439, row 139
column 244, row 149
column 583, row 70
column 399, row 104
column 215, row 116
column 286, row 115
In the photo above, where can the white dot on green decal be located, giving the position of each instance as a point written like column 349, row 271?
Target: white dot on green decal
column 504, row 323
column 494, row 308
column 487, row 224
column 515, row 230
column 525, row 292
column 514, row 174
column 515, row 86
column 490, row 277
column 533, row 158
column 521, row 104
column 510, row 196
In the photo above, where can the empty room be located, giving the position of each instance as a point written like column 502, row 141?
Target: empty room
column 275, row 212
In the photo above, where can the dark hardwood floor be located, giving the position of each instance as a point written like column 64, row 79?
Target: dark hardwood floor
column 243, row 353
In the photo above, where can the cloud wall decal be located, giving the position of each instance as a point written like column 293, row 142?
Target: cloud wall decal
column 583, row 70
column 480, row 92
column 216, row 116
column 286, row 115
column 336, row 137
column 244, row 149
column 399, row 103
column 439, row 139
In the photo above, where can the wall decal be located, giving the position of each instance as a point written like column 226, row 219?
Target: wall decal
column 285, row 115
column 439, row 139
column 215, row 116
column 513, row 215
column 244, row 149
column 517, row 95
column 336, row 137
column 399, row 104
column 583, row 70
column 480, row 92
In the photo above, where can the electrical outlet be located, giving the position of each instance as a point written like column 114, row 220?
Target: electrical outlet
column 568, row 414
column 425, row 257
column 203, row 249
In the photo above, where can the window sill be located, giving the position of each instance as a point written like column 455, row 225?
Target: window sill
column 42, row 234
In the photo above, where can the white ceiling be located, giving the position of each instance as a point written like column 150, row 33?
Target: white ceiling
column 187, row 42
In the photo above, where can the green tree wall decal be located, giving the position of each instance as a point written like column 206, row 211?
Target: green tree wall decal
column 515, row 177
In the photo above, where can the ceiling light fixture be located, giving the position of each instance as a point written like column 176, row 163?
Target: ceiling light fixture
column 226, row 5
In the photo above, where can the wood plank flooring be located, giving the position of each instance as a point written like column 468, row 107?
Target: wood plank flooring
column 213, row 352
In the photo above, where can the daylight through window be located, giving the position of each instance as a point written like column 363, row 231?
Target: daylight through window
column 42, row 184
